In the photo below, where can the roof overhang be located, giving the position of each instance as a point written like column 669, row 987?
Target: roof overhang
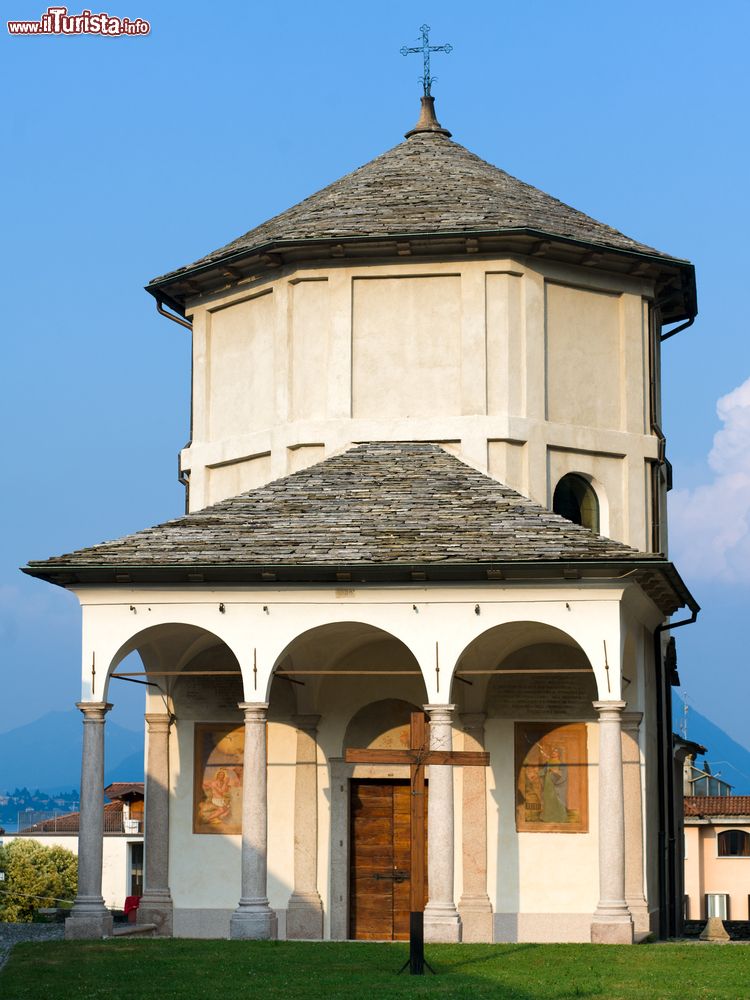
column 674, row 279
column 657, row 578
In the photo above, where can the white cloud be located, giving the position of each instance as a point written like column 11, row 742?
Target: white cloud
column 709, row 526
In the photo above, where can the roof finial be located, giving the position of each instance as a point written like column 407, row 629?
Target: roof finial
column 427, row 119
column 425, row 48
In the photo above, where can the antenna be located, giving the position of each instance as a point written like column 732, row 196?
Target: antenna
column 684, row 719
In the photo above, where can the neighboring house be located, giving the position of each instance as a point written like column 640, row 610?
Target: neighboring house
column 122, row 848
column 701, row 782
column 426, row 471
column 717, row 857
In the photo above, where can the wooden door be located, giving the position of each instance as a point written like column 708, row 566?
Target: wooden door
column 379, row 861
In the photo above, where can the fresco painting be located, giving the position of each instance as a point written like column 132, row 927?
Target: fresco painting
column 217, row 790
column 551, row 777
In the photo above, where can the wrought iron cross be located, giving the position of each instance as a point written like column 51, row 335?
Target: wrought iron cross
column 425, row 48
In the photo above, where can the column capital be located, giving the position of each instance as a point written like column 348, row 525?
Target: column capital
column 631, row 722
column 93, row 711
column 158, row 722
column 472, row 721
column 308, row 723
column 255, row 711
column 609, row 711
column 440, row 713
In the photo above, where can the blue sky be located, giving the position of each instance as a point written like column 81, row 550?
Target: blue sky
column 127, row 157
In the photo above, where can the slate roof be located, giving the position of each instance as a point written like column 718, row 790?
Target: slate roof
column 427, row 184
column 717, row 805
column 378, row 502
column 403, row 504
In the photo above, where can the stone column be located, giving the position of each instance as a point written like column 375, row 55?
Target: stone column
column 304, row 915
column 631, row 775
column 474, row 906
column 89, row 917
column 441, row 919
column 612, row 923
column 253, row 917
column 156, row 903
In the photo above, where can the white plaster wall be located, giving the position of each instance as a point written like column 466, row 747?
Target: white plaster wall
column 537, row 872
column 505, row 359
column 406, row 346
column 115, row 861
column 204, row 869
column 240, row 387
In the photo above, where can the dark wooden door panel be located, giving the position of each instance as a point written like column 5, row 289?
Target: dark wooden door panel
column 379, row 860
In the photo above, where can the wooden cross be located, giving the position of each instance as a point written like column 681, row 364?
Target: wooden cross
column 417, row 756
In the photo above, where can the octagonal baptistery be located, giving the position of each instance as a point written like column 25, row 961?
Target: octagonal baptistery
column 430, row 296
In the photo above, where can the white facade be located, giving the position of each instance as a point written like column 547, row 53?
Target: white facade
column 525, row 369
column 541, row 886
column 525, row 366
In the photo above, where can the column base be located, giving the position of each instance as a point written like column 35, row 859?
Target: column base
column 476, row 919
column 714, row 930
column 304, row 917
column 156, row 909
column 612, row 926
column 641, row 917
column 88, row 927
column 442, row 924
column 254, row 922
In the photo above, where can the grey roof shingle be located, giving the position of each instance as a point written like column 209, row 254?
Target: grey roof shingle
column 377, row 503
column 427, row 184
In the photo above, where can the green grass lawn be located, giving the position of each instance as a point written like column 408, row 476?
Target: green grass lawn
column 224, row 970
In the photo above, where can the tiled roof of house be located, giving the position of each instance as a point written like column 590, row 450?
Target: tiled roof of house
column 404, row 504
column 124, row 790
column 717, row 805
column 69, row 822
column 427, row 184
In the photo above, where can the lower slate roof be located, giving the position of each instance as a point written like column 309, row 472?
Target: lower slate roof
column 375, row 511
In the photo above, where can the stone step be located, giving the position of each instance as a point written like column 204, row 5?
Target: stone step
column 134, row 930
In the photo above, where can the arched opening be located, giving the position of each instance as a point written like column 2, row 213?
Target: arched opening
column 524, row 691
column 360, row 683
column 195, row 750
column 340, row 667
column 517, row 660
column 575, row 499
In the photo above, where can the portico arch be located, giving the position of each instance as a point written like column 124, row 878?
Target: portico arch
column 173, row 647
column 350, row 662
column 520, row 650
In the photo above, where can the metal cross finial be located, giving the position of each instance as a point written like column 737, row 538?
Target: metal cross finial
column 425, row 48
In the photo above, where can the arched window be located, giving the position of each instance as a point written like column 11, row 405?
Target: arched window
column 734, row 844
column 575, row 500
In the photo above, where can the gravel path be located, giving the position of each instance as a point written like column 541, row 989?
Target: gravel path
column 11, row 934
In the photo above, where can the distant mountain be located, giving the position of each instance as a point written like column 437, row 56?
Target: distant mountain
column 46, row 754
column 725, row 755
